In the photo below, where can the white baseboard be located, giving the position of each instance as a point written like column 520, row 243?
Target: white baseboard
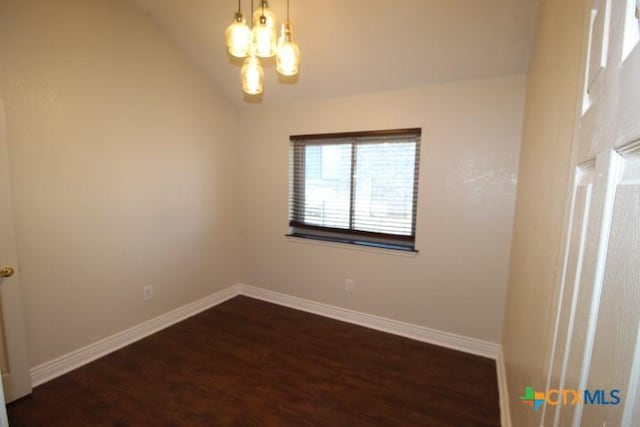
column 503, row 389
column 408, row 330
column 68, row 362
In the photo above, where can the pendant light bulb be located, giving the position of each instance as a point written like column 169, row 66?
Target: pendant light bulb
column 264, row 38
column 264, row 30
column 288, row 56
column 252, row 75
column 238, row 36
column 264, row 10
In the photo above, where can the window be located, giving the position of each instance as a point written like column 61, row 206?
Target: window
column 358, row 188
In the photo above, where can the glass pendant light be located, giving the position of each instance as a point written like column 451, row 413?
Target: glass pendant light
column 288, row 56
column 264, row 10
column 264, row 30
column 238, row 35
column 258, row 40
column 252, row 74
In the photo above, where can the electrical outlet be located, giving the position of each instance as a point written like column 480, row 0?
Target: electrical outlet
column 350, row 286
column 148, row 292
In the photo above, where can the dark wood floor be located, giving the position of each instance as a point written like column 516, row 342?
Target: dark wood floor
column 251, row 363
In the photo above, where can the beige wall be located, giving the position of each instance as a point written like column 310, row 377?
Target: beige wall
column 124, row 164
column 543, row 180
column 470, row 144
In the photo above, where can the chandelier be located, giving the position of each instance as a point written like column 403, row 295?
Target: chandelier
column 258, row 40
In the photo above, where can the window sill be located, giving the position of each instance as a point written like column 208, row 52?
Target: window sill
column 353, row 246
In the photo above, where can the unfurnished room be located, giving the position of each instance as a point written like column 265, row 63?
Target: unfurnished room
column 320, row 213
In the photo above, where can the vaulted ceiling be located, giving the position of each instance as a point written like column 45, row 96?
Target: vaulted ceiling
column 356, row 46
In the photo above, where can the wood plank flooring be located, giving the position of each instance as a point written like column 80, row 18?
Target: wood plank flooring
column 251, row 363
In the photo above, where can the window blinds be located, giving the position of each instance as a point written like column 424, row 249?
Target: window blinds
column 361, row 183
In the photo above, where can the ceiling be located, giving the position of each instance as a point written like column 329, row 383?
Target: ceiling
column 356, row 46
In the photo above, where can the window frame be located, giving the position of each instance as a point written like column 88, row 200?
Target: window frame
column 297, row 190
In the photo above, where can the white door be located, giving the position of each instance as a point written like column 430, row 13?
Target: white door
column 4, row 422
column 14, row 363
column 596, row 341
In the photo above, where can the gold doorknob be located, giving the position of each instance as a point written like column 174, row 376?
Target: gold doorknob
column 6, row 271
